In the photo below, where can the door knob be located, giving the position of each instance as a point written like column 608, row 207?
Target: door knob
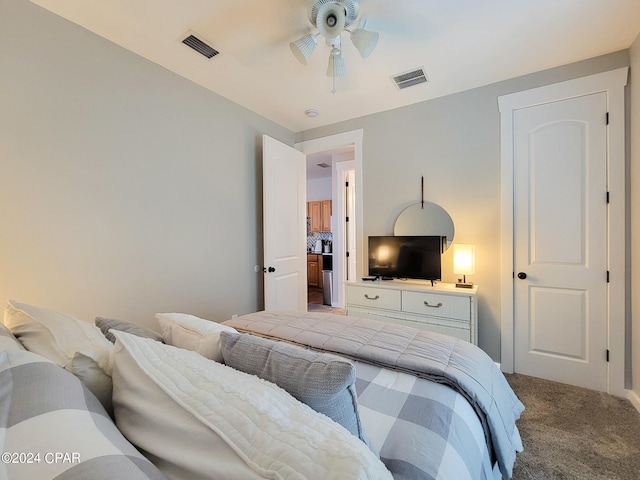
column 522, row 275
column 270, row 269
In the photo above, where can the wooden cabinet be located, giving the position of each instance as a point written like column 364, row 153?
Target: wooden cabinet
column 441, row 308
column 313, row 212
column 320, row 214
column 314, row 270
column 325, row 216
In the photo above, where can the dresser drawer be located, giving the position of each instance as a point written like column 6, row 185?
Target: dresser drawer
column 445, row 326
column 386, row 316
column 454, row 307
column 374, row 297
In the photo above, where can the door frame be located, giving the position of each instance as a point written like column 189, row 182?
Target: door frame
column 613, row 84
column 353, row 138
column 343, row 193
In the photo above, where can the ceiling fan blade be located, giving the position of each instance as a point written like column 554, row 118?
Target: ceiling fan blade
column 388, row 19
column 251, row 30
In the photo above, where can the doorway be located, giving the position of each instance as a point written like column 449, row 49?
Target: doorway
column 328, row 174
column 346, row 156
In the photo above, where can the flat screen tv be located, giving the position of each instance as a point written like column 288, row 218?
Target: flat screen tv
column 415, row 257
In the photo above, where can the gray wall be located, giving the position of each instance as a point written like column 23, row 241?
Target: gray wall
column 319, row 189
column 635, row 215
column 454, row 142
column 126, row 189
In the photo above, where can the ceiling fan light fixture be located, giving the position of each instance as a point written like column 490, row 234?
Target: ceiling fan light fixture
column 331, row 18
column 365, row 41
column 303, row 48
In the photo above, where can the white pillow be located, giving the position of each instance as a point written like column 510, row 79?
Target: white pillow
column 192, row 333
column 77, row 346
column 198, row 419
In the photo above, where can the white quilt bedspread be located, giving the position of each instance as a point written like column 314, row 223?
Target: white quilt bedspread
column 276, row 435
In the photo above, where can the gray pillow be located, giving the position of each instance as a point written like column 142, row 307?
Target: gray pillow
column 106, row 324
column 323, row 381
column 8, row 341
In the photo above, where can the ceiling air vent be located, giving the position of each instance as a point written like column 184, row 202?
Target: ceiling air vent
column 200, row 46
column 323, row 165
column 409, row 79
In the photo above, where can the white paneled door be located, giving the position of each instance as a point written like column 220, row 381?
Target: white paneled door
column 285, row 222
column 560, row 240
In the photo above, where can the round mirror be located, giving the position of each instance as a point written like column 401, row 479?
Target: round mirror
column 430, row 220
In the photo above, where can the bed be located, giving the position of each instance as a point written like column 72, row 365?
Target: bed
column 443, row 396
column 268, row 395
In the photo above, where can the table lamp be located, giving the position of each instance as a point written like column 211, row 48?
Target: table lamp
column 464, row 263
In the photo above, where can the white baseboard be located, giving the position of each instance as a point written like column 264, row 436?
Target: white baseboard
column 634, row 398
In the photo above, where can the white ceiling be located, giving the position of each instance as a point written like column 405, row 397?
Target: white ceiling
column 315, row 171
column 461, row 44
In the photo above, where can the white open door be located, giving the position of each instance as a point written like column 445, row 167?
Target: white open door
column 285, row 226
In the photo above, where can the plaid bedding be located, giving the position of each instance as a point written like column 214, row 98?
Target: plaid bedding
column 421, row 429
column 52, row 427
column 436, row 359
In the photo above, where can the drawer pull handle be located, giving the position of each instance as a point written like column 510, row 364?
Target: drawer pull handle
column 433, row 306
column 366, row 295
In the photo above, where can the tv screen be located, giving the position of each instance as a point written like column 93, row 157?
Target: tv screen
column 406, row 257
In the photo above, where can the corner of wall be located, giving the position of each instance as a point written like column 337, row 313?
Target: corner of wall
column 634, row 398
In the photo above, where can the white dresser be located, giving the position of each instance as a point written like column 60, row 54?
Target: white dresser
column 443, row 308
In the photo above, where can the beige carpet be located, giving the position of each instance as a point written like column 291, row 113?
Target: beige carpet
column 575, row 433
column 314, row 307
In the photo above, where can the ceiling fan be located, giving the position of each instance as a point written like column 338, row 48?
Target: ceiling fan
column 332, row 18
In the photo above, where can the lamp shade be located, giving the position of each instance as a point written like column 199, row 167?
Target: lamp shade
column 331, row 19
column 365, row 41
column 464, row 259
column 336, row 67
column 303, row 48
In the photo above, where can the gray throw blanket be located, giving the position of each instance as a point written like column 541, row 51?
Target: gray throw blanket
column 439, row 358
